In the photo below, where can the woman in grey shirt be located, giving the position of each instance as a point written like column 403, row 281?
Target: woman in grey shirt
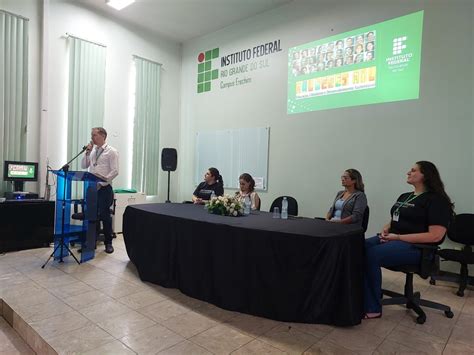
column 350, row 203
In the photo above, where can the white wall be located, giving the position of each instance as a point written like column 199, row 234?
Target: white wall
column 309, row 151
column 122, row 42
column 47, row 120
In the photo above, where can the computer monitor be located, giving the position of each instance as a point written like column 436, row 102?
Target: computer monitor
column 19, row 172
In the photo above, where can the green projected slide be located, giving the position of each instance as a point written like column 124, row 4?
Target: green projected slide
column 372, row 64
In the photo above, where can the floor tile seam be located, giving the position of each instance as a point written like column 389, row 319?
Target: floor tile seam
column 142, row 330
column 111, row 341
column 256, row 336
column 39, row 303
column 268, row 343
column 136, row 310
column 307, row 332
column 241, row 346
column 424, row 331
column 186, row 338
column 61, row 332
column 421, row 330
column 190, row 339
column 28, row 319
column 457, row 340
column 93, row 321
column 113, row 336
column 404, row 345
column 382, row 339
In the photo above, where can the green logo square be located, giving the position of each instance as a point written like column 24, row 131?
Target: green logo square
column 200, row 77
column 205, row 71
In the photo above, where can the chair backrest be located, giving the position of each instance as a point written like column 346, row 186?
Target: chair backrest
column 259, row 204
column 365, row 219
column 292, row 205
column 462, row 229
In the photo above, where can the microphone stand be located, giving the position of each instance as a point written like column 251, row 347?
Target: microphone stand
column 62, row 245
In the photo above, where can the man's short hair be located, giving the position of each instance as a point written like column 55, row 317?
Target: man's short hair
column 101, row 131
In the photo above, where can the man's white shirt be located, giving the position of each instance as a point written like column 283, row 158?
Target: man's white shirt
column 102, row 161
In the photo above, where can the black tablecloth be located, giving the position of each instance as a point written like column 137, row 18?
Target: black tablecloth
column 26, row 224
column 301, row 270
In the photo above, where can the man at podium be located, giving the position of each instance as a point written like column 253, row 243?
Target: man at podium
column 102, row 160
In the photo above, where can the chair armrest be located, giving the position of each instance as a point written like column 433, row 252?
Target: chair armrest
column 429, row 263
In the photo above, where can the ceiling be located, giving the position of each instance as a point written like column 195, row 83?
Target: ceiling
column 182, row 20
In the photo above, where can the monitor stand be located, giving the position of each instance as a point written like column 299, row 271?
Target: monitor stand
column 18, row 186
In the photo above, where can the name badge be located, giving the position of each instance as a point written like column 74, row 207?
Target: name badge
column 395, row 217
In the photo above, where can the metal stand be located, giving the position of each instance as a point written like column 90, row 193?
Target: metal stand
column 63, row 245
column 168, row 199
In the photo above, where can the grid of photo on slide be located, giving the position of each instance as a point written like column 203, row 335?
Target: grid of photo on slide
column 342, row 53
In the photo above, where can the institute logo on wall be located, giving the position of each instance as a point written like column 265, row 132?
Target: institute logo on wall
column 205, row 72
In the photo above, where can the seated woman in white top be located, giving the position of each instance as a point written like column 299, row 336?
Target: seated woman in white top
column 247, row 186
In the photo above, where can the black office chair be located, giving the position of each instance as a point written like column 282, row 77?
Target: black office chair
column 292, row 205
column 461, row 232
column 429, row 265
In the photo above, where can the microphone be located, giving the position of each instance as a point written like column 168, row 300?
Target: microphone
column 65, row 167
column 84, row 148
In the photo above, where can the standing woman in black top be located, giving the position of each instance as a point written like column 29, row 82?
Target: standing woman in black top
column 421, row 216
column 212, row 183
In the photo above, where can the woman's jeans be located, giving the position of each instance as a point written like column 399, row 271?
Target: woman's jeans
column 378, row 255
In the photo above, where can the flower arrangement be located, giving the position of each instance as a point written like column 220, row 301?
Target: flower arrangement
column 226, row 205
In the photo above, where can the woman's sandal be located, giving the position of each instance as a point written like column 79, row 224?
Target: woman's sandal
column 372, row 315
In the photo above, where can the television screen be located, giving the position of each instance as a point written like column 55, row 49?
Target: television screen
column 20, row 171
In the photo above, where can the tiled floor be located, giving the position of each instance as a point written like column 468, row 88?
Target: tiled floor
column 102, row 307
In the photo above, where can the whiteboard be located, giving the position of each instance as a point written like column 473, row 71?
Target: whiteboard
column 233, row 152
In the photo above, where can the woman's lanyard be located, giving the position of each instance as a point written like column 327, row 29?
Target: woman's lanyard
column 396, row 214
column 97, row 155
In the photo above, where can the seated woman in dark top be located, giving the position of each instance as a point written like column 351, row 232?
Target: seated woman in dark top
column 350, row 203
column 421, row 216
column 212, row 183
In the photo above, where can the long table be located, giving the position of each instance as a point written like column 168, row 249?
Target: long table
column 299, row 270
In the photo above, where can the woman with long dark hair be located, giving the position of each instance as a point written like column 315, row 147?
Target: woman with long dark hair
column 213, row 182
column 420, row 216
column 350, row 204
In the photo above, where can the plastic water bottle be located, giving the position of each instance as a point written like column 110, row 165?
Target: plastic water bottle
column 284, row 208
column 247, row 205
column 213, row 196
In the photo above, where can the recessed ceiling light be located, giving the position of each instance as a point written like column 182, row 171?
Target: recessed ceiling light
column 119, row 4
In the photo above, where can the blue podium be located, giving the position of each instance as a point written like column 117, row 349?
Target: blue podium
column 67, row 229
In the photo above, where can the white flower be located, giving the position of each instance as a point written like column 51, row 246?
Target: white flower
column 234, row 213
column 232, row 205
